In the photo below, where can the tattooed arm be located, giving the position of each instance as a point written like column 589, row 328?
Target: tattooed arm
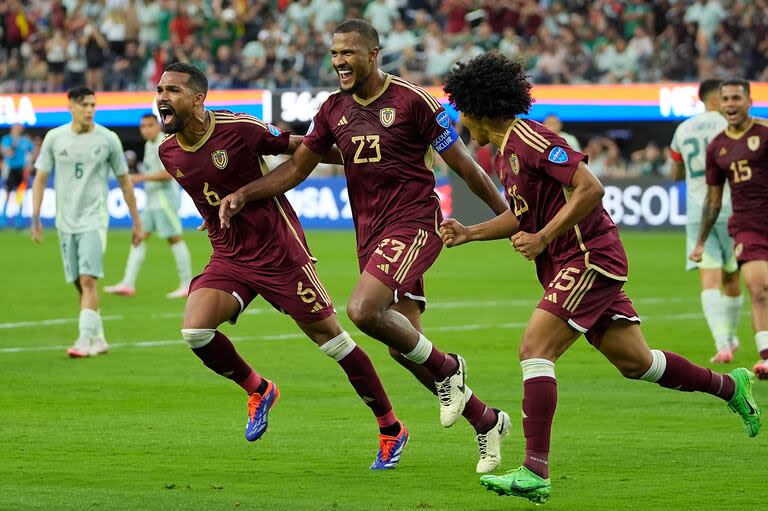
column 709, row 213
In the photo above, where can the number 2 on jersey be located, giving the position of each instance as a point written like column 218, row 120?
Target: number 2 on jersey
column 373, row 145
column 693, row 153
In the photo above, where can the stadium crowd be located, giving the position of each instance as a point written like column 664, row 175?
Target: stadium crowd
column 49, row 45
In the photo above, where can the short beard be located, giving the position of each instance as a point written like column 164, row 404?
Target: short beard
column 356, row 86
column 170, row 129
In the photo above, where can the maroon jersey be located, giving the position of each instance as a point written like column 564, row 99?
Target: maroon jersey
column 229, row 156
column 536, row 167
column 387, row 143
column 742, row 158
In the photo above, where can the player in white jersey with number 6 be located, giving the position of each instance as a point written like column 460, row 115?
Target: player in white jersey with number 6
column 718, row 268
column 81, row 154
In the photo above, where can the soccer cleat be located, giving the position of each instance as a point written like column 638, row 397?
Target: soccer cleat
column 761, row 370
column 258, row 409
column 734, row 343
column 181, row 292
column 722, row 357
column 120, row 289
column 98, row 347
column 452, row 393
column 490, row 444
column 519, row 483
column 390, row 448
column 80, row 349
column 742, row 401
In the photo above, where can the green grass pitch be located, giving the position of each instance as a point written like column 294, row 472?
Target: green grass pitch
column 148, row 427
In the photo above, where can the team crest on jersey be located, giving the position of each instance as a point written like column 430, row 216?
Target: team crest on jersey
column 514, row 162
column 753, row 142
column 387, row 116
column 220, row 159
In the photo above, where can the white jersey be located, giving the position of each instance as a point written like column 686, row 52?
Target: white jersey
column 160, row 194
column 690, row 141
column 81, row 163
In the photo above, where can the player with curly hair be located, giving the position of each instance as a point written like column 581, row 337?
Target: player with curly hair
column 557, row 220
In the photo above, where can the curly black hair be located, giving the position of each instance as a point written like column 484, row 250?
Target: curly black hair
column 490, row 85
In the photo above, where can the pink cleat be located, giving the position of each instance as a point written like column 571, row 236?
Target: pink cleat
column 761, row 370
column 80, row 349
column 120, row 289
column 722, row 357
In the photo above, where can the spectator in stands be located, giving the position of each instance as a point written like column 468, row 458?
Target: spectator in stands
column 96, row 48
column 650, row 161
column 553, row 122
column 604, row 158
column 56, row 56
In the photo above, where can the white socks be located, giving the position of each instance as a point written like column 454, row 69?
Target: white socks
column 132, row 267
column 339, row 347
column 536, row 367
column 183, row 262
column 713, row 304
column 90, row 325
column 421, row 352
column 732, row 306
column 761, row 339
column 658, row 366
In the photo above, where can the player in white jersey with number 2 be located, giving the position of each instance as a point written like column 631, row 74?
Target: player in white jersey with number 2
column 718, row 268
column 81, row 154
column 160, row 215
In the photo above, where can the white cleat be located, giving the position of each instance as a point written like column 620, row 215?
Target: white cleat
column 120, row 289
column 452, row 393
column 80, row 349
column 98, row 347
column 734, row 343
column 490, row 444
column 182, row 292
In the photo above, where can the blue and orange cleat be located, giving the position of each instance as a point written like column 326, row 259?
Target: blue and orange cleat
column 390, row 448
column 258, row 410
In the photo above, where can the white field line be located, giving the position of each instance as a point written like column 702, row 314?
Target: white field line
column 299, row 335
column 253, row 311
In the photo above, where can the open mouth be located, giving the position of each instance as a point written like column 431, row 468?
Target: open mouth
column 345, row 76
column 166, row 114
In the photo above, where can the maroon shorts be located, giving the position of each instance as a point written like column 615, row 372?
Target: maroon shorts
column 750, row 246
column 295, row 290
column 400, row 259
column 587, row 300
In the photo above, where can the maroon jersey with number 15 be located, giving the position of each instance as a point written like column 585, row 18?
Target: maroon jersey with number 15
column 264, row 233
column 536, row 167
column 742, row 159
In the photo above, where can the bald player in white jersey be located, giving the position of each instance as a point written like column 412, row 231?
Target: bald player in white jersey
column 82, row 154
column 718, row 268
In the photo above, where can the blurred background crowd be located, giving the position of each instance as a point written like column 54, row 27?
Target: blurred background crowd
column 123, row 45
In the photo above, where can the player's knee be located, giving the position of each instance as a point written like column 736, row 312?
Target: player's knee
column 758, row 291
column 87, row 282
column 197, row 337
column 361, row 315
column 631, row 369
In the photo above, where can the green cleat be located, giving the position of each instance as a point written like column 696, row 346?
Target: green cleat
column 742, row 401
column 520, row 483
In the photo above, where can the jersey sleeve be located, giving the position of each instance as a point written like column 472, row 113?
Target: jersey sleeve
column 264, row 138
column 675, row 151
column 44, row 160
column 117, row 160
column 557, row 159
column 319, row 137
column 714, row 174
column 433, row 124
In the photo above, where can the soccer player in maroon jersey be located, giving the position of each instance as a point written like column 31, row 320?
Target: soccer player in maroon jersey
column 212, row 154
column 740, row 155
column 388, row 131
column 557, row 220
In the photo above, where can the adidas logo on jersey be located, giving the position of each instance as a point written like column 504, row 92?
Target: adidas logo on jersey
column 63, row 153
column 723, row 151
column 551, row 298
column 342, row 121
column 317, row 307
column 179, row 174
column 384, row 268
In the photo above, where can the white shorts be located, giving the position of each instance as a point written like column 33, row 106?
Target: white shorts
column 718, row 250
column 83, row 253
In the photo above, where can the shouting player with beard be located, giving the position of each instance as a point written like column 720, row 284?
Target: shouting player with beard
column 263, row 252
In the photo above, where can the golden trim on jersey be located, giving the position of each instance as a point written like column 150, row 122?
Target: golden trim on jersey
column 429, row 158
column 229, row 118
column 602, row 270
column 220, row 159
column 583, row 278
column 410, row 256
column 505, row 140
column 576, row 296
column 366, row 102
column 387, row 116
column 530, row 137
column 200, row 143
column 433, row 103
column 736, row 135
column 309, row 271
